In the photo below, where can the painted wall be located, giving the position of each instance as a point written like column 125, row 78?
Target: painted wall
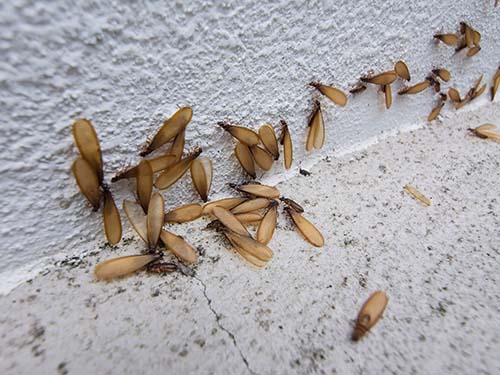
column 128, row 66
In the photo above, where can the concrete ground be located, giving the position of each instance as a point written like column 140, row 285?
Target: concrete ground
column 438, row 265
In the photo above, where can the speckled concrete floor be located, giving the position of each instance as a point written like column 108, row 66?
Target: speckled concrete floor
column 438, row 264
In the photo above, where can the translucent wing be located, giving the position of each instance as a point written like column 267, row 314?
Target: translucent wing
column 287, row 146
column 415, row 89
column 137, row 218
column 388, row 96
column 88, row 144
column 155, row 218
column 385, row 78
column 268, row 138
column 175, row 172
column 251, row 205
column 144, row 183
column 259, row 190
column 170, row 128
column 112, row 221
column 179, row 246
column 268, row 225
column 308, row 230
column 242, row 134
column 262, row 157
column 87, row 181
column 244, row 155
column 417, row 195
column 444, row 74
column 402, row 70
column 334, row 94
column 229, row 221
column 177, row 147
column 183, row 214
column 251, row 246
column 201, row 174
column 122, row 266
column 227, row 203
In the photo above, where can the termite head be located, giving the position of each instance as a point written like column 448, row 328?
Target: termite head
column 225, row 124
column 195, row 152
column 215, row 225
column 315, row 84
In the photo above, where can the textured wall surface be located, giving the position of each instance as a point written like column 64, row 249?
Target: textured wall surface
column 128, row 66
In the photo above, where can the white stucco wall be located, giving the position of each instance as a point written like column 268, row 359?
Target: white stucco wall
column 128, row 66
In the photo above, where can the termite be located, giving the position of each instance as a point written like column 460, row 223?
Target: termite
column 370, row 314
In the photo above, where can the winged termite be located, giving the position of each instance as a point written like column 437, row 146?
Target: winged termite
column 177, row 147
column 244, row 156
column 229, row 220
column 268, row 139
column 242, row 134
column 292, row 204
column 249, row 245
column 227, row 203
column 402, row 70
column 388, row 95
column 359, row 87
column 137, row 218
column 334, row 94
column 176, row 171
column 122, row 266
column 249, row 217
column 251, row 205
column 155, row 219
column 185, row 213
column 88, row 145
column 316, row 135
column 415, row 89
column 258, row 190
column 385, row 78
column 267, row 225
column 144, row 182
column 473, row 51
column 308, row 230
column 486, row 131
column 157, row 165
column 435, row 111
column 448, row 39
column 179, row 246
column 170, row 128
column 201, row 174
column 262, row 157
column 286, row 141
column 87, row 181
column 370, row 314
column 444, row 74
column 454, row 95
column 417, row 195
column 112, row 221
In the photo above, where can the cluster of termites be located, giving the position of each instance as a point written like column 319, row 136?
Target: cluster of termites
column 258, row 204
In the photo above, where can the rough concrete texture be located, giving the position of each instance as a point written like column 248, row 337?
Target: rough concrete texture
column 127, row 66
column 438, row 264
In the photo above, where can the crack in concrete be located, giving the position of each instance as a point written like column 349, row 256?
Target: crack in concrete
column 219, row 324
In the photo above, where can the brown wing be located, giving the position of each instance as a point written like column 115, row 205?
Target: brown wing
column 111, row 218
column 122, row 266
column 88, row 144
column 87, row 181
column 170, row 128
